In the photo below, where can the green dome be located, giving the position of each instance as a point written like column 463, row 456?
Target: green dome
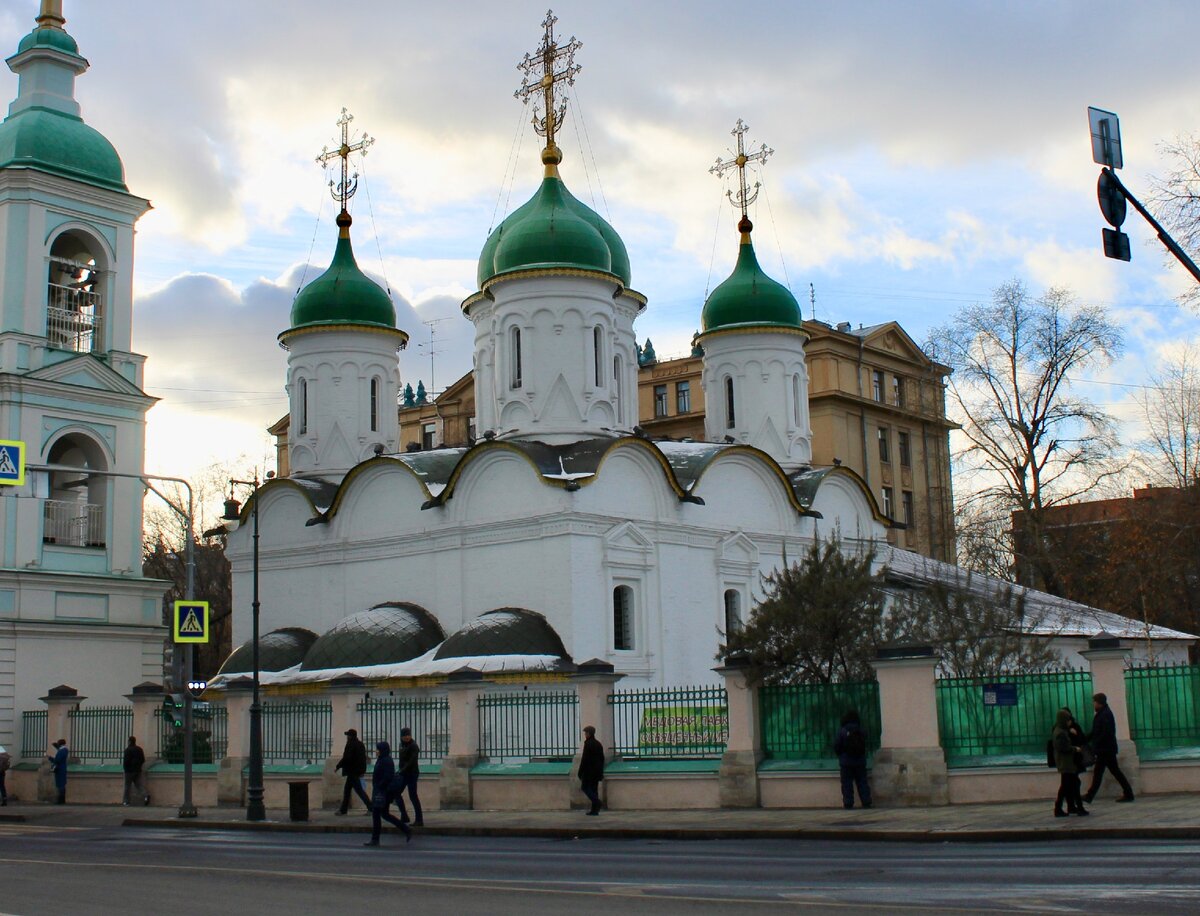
column 343, row 294
column 750, row 297
column 277, row 651
column 504, row 631
column 48, row 38
column 59, row 143
column 553, row 229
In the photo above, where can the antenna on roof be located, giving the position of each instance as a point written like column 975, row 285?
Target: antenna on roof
column 812, row 300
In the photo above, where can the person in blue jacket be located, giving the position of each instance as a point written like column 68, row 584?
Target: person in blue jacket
column 58, row 764
column 385, row 788
column 851, row 747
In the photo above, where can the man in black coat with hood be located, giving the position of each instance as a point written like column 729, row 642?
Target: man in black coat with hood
column 1103, row 739
column 591, row 768
column 354, row 767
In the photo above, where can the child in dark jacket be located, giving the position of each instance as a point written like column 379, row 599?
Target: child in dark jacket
column 851, row 747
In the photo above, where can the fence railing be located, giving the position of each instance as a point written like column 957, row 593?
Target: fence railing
column 1164, row 711
column 34, row 740
column 670, row 723
column 799, row 722
column 73, row 523
column 1006, row 720
column 429, row 719
column 99, row 734
column 75, row 313
column 528, row 726
column 210, row 736
column 296, row 733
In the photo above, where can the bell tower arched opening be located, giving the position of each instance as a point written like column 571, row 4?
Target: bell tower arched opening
column 74, row 513
column 75, row 293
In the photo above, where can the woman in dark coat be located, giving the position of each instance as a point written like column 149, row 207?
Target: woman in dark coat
column 1067, row 764
column 591, row 768
column 384, row 787
column 58, row 763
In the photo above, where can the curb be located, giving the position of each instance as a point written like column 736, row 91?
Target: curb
column 1016, row 835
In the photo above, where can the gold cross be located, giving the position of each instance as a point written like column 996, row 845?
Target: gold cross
column 343, row 190
column 548, row 66
column 744, row 195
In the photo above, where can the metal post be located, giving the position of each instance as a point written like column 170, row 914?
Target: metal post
column 255, row 810
column 188, row 809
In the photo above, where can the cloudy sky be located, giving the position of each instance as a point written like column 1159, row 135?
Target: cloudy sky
column 925, row 153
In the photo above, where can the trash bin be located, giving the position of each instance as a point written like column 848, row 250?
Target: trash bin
column 298, row 800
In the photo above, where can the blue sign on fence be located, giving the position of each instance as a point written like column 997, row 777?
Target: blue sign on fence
column 999, row 694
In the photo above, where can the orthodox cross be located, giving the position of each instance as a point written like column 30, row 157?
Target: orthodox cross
column 744, row 196
column 548, row 67
column 343, row 190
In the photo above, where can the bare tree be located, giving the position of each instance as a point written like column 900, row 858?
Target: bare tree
column 1031, row 441
column 1176, row 201
column 1171, row 409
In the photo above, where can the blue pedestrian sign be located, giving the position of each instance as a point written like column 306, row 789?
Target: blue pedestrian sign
column 999, row 694
column 191, row 621
column 12, row 463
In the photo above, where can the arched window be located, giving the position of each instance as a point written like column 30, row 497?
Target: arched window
column 302, row 407
column 733, row 611
column 75, row 295
column 796, row 397
column 597, row 356
column 618, row 402
column 623, row 618
column 74, row 511
column 374, row 404
column 514, row 357
column 730, row 415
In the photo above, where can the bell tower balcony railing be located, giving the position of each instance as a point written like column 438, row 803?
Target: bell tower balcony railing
column 74, row 307
column 73, row 524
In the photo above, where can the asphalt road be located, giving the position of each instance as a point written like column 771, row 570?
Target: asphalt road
column 181, row 872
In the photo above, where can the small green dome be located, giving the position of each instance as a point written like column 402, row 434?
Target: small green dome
column 48, row 38
column 750, row 297
column 343, row 294
column 277, row 651
column 553, row 229
column 386, row 634
column 59, row 143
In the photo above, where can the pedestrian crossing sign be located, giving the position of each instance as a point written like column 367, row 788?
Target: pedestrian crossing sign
column 12, row 463
column 191, row 621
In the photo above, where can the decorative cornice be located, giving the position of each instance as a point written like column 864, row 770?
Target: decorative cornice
column 322, row 327
column 756, row 328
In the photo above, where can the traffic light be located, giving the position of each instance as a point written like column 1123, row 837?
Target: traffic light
column 172, row 709
column 195, row 688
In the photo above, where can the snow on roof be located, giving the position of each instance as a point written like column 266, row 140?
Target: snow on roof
column 1048, row 614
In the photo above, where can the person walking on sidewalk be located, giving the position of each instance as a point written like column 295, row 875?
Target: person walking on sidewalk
column 58, row 764
column 1104, row 745
column 354, row 767
column 133, row 764
column 408, row 770
column 5, row 763
column 850, row 745
column 384, row 789
column 591, row 768
column 1065, row 761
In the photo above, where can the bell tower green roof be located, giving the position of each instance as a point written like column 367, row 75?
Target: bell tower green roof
column 748, row 297
column 343, row 294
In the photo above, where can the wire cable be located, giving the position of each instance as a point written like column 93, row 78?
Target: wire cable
column 362, row 168
column 592, row 153
column 514, row 154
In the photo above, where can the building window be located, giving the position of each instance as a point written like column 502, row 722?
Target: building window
column 733, row 611
column 597, row 359
column 905, row 450
column 909, row 515
column 618, row 401
column 889, row 500
column 885, row 454
column 660, row 400
column 514, row 357
column 730, row 416
column 796, row 412
column 877, row 385
column 302, row 408
column 428, row 431
column 683, row 397
column 374, row 404
column 897, row 391
column 623, row 618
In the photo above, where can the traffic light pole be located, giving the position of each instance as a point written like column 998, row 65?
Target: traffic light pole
column 1163, row 236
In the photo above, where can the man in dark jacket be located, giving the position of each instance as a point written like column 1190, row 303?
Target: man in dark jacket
column 1104, row 745
column 851, row 747
column 58, row 764
column 591, row 768
column 408, row 770
column 385, row 788
column 133, row 763
column 354, row 767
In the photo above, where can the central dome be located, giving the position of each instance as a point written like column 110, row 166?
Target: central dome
column 553, row 230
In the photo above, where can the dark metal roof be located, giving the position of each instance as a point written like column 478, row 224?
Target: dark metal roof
column 385, row 634
column 505, row 631
column 277, row 651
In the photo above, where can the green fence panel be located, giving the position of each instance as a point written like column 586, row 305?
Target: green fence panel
column 679, row 723
column 528, row 726
column 428, row 717
column 800, row 721
column 296, row 733
column 1164, row 711
column 210, row 736
column 34, row 740
column 99, row 734
column 979, row 728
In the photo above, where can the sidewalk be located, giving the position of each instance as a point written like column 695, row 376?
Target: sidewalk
column 1150, row 817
